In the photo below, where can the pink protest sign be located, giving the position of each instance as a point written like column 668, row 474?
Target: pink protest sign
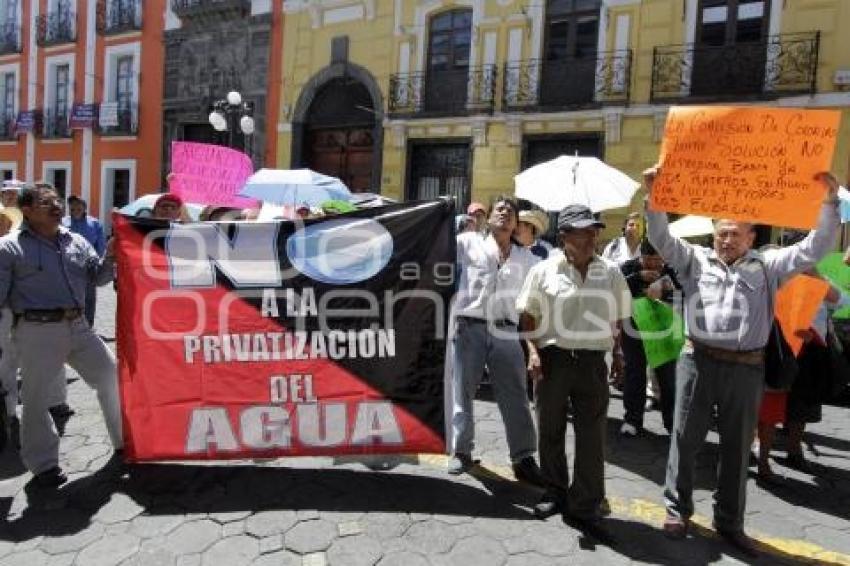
column 209, row 174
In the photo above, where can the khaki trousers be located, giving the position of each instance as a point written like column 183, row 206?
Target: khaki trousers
column 43, row 349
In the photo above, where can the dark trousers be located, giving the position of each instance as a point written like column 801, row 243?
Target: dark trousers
column 578, row 379
column 736, row 389
column 634, row 388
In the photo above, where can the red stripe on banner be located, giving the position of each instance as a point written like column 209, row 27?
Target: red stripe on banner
column 175, row 408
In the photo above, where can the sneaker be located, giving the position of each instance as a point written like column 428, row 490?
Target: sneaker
column 460, row 463
column 629, row 430
column 54, row 477
column 547, row 506
column 527, row 470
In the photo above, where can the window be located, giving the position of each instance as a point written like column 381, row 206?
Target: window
column 124, row 82
column 723, row 22
column 117, row 187
column 9, row 13
column 8, row 94
column 58, row 174
column 60, row 92
column 120, row 187
column 447, row 81
column 572, row 29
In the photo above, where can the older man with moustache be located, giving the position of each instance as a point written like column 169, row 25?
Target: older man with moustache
column 728, row 296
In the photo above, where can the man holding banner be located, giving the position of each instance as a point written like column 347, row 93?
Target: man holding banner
column 728, row 320
column 492, row 270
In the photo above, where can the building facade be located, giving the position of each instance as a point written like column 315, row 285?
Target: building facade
column 422, row 98
column 213, row 47
column 80, row 84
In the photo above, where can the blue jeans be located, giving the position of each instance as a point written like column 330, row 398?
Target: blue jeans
column 474, row 347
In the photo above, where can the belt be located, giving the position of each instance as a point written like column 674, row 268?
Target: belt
column 577, row 353
column 49, row 315
column 501, row 323
column 748, row 357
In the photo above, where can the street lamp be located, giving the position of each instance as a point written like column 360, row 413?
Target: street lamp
column 230, row 113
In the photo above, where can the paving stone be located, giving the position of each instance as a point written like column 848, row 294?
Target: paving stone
column 232, row 551
column 354, row 551
column 225, row 517
column 28, row 558
column 73, row 541
column 151, row 552
column 534, row 559
column 109, row 551
column 350, row 528
column 403, row 559
column 189, row 560
column 430, row 537
column 266, row 523
column 62, row 559
column 233, row 529
column 551, row 540
column 310, row 536
column 155, row 525
column 829, row 538
column 386, row 526
column 477, row 550
column 194, row 537
column 281, row 558
column 270, row 544
column 315, row 559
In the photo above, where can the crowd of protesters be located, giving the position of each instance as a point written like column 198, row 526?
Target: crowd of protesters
column 524, row 310
column 572, row 306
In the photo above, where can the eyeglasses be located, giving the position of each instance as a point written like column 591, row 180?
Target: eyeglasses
column 49, row 202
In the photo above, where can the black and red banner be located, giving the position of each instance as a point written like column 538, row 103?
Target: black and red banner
column 285, row 338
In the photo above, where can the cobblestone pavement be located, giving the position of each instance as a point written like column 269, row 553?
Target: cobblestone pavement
column 401, row 511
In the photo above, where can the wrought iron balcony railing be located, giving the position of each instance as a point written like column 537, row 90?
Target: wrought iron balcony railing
column 209, row 8
column 127, row 123
column 576, row 82
column 118, row 16
column 7, row 127
column 443, row 93
column 782, row 65
column 10, row 38
column 56, row 27
column 55, row 124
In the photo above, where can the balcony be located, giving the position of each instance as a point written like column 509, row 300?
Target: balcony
column 443, row 93
column 125, row 122
column 56, row 27
column 118, row 16
column 210, row 10
column 55, row 124
column 7, row 128
column 783, row 65
column 539, row 85
column 10, row 38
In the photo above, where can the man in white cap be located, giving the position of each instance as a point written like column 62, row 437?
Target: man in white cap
column 9, row 193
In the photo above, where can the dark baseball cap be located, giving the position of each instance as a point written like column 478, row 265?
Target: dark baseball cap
column 576, row 217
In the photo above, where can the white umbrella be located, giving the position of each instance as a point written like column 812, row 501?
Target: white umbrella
column 569, row 180
column 294, row 187
column 691, row 225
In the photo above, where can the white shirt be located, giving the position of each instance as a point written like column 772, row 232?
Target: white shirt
column 574, row 313
column 487, row 290
column 618, row 251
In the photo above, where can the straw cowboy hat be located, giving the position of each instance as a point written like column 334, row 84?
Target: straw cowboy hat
column 14, row 215
column 537, row 218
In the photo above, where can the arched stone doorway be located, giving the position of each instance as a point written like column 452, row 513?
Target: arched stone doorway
column 337, row 127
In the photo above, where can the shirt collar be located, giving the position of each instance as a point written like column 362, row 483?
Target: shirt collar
column 64, row 233
column 563, row 262
column 751, row 255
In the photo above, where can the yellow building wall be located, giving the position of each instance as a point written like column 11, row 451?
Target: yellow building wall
column 375, row 43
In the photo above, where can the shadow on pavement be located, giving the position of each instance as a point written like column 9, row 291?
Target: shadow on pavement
column 187, row 489
column 827, row 492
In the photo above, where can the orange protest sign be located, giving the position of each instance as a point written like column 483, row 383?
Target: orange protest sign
column 746, row 163
column 797, row 302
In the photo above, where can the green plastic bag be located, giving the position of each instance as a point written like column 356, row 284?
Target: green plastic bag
column 662, row 330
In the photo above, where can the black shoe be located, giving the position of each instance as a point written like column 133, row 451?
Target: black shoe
column 460, row 463
column 527, row 470
column 61, row 414
column 796, row 461
column 54, row 477
column 547, row 506
column 739, row 541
